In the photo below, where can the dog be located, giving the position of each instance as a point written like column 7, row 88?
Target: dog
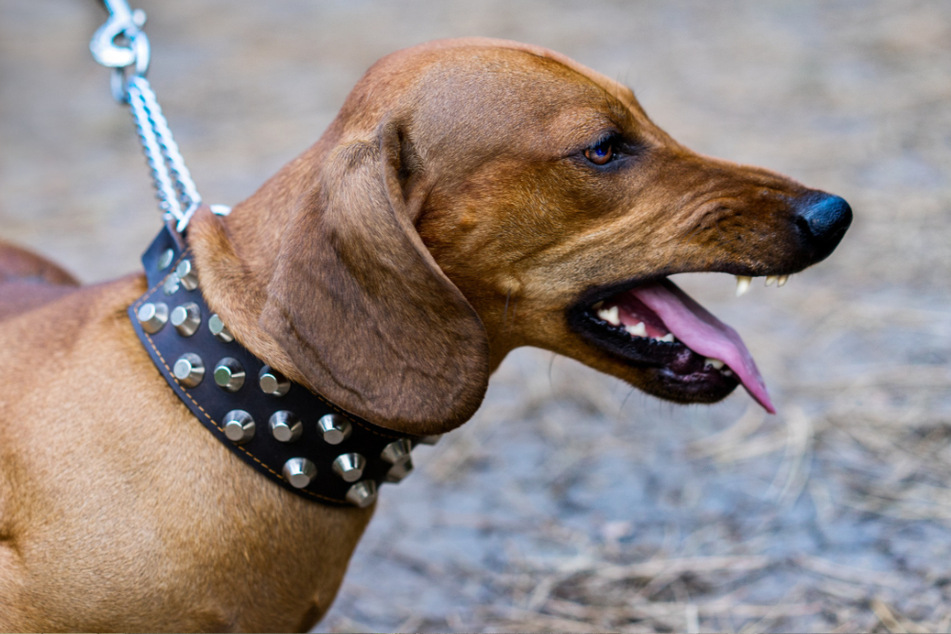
column 472, row 196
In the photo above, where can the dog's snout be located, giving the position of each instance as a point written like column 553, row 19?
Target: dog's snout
column 822, row 220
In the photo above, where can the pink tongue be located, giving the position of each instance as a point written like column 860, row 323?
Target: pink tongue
column 703, row 333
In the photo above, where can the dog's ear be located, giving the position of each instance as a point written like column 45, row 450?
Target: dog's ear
column 362, row 308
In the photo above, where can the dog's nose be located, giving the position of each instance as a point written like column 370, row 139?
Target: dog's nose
column 822, row 220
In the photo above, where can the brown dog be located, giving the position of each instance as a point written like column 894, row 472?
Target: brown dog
column 472, row 196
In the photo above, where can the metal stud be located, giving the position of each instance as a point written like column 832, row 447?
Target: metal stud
column 219, row 330
column 397, row 452
column 152, row 316
column 334, row 429
column 300, row 472
column 229, row 374
column 362, row 494
column 399, row 471
column 171, row 285
column 273, row 382
column 285, row 426
column 239, row 426
column 186, row 319
column 189, row 369
column 430, row 440
column 186, row 273
column 165, row 259
column 349, row 466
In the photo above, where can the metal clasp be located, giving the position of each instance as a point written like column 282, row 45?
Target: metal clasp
column 121, row 44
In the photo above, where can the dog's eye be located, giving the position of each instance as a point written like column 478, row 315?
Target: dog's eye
column 602, row 153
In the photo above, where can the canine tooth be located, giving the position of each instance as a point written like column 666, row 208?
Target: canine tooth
column 716, row 364
column 669, row 338
column 771, row 279
column 610, row 315
column 781, row 280
column 637, row 331
column 743, row 284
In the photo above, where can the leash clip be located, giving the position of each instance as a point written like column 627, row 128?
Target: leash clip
column 121, row 44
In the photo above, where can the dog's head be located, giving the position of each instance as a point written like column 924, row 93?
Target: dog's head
column 478, row 195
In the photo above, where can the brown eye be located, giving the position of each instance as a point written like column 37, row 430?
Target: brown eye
column 600, row 154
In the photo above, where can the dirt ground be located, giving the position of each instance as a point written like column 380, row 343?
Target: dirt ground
column 571, row 502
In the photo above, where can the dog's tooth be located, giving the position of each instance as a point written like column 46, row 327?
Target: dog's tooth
column 636, row 331
column 743, row 284
column 781, row 280
column 716, row 364
column 668, row 338
column 771, row 279
column 610, row 315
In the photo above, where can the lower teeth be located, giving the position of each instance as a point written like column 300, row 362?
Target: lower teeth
column 716, row 364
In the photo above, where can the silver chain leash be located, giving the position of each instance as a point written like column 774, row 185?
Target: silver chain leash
column 121, row 44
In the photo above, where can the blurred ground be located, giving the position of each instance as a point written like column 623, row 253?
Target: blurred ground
column 570, row 502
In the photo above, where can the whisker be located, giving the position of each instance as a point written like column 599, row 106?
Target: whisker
column 630, row 393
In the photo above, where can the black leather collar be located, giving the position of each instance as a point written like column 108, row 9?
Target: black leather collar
column 290, row 434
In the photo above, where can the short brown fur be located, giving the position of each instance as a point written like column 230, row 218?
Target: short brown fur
column 446, row 217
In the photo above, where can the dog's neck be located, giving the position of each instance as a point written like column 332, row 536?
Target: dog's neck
column 287, row 432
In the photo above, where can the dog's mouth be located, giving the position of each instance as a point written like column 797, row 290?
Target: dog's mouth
column 656, row 325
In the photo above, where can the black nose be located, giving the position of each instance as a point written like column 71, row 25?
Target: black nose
column 822, row 220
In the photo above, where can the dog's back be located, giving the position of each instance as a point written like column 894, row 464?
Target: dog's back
column 28, row 280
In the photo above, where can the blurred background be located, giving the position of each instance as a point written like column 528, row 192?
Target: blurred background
column 572, row 502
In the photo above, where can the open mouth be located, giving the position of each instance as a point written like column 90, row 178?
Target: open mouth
column 695, row 356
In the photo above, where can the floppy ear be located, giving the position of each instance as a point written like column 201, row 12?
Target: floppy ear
column 362, row 308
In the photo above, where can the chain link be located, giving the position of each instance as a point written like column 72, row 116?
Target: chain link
column 120, row 44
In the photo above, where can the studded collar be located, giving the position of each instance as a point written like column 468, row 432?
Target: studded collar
column 293, row 436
